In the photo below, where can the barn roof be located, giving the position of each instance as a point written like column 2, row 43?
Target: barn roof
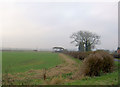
column 58, row 48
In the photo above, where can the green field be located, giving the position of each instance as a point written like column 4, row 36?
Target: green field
column 13, row 62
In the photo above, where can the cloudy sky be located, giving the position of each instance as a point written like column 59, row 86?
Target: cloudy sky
column 44, row 25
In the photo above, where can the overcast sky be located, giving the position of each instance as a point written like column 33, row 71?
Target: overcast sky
column 45, row 25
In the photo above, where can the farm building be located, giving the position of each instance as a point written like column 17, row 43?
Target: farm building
column 118, row 50
column 58, row 49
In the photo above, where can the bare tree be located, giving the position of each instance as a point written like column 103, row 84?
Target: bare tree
column 85, row 40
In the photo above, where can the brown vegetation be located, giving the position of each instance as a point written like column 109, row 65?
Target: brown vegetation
column 55, row 81
column 79, row 55
column 96, row 63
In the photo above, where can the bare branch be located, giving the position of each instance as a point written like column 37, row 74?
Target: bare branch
column 86, row 38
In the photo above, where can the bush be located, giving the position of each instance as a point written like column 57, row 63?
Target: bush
column 96, row 63
column 83, row 55
column 78, row 55
column 74, row 54
column 108, row 62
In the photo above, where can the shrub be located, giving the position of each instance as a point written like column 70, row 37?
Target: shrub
column 108, row 62
column 83, row 55
column 96, row 63
column 92, row 65
column 78, row 55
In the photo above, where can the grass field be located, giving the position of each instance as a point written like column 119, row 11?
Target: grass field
column 18, row 65
column 13, row 62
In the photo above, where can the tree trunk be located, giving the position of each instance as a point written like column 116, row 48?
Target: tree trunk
column 86, row 46
column 81, row 47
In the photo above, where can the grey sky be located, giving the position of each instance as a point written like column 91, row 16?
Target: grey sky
column 44, row 25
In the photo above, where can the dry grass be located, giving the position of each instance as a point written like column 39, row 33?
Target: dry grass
column 55, row 81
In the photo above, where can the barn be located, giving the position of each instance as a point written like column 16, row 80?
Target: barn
column 58, row 49
column 118, row 50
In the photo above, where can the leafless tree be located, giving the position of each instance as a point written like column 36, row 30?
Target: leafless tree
column 85, row 40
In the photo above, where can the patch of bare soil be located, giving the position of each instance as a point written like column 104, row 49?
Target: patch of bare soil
column 69, row 66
